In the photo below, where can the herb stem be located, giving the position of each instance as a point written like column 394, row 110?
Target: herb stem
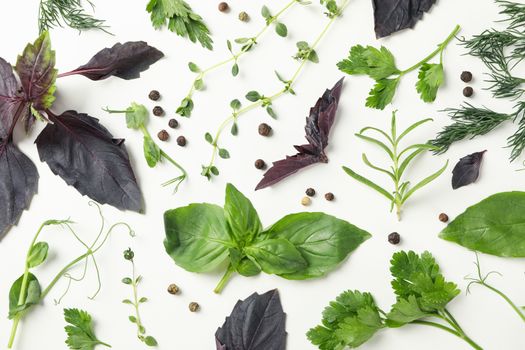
column 506, row 298
column 237, row 55
column 136, row 301
column 461, row 335
column 441, row 47
column 236, row 114
column 224, row 280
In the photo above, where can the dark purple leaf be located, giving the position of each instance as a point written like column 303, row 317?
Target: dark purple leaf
column 18, row 184
column 84, row 153
column 37, row 73
column 317, row 129
column 10, row 100
column 466, row 170
column 257, row 323
column 394, row 15
column 125, row 61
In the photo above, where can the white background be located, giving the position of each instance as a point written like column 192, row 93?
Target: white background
column 483, row 315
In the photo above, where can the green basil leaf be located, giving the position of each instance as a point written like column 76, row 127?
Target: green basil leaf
column 151, row 152
column 276, row 256
column 197, row 236
column 242, row 217
column 30, row 297
column 493, row 226
column 248, row 268
column 324, row 241
column 37, row 254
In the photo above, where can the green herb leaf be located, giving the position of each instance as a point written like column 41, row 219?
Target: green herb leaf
column 80, row 333
column 431, row 77
column 208, row 138
column 195, row 244
column 152, row 152
column 382, row 94
column 271, row 112
column 265, row 12
column 136, row 116
column 493, row 226
column 31, row 296
column 150, row 341
column 198, row 84
column 281, row 29
column 235, row 70
column 356, row 63
column 241, row 216
column 253, row 96
column 223, row 153
column 235, row 104
column 37, row 254
column 193, row 67
column 277, row 256
column 234, row 129
column 185, row 108
column 179, row 17
column 349, row 321
column 323, row 240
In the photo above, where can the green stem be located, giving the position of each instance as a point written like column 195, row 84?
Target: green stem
column 224, row 280
column 507, row 299
column 234, row 116
column 439, row 50
column 451, row 331
column 236, row 56
column 136, row 302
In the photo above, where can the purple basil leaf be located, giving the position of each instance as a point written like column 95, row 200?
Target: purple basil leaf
column 10, row 100
column 219, row 345
column 394, row 15
column 466, row 170
column 18, row 184
column 317, row 130
column 37, row 73
column 84, row 153
column 125, row 61
column 257, row 323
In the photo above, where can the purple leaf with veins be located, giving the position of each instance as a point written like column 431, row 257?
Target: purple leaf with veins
column 466, row 170
column 318, row 126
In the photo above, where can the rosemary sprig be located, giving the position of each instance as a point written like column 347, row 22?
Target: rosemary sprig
column 401, row 159
column 247, row 44
column 55, row 13
column 266, row 101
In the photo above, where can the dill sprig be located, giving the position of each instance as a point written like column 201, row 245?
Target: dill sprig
column 56, row 13
column 501, row 51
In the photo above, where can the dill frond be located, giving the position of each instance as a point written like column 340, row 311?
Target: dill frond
column 56, row 13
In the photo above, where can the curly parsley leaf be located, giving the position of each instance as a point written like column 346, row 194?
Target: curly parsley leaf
column 382, row 93
column 349, row 321
column 180, row 18
column 80, row 333
column 430, row 78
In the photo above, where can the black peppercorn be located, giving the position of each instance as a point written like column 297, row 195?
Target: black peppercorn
column 265, row 129
column 158, row 111
column 260, row 164
column 154, row 95
column 394, row 238
column 443, row 217
column 329, row 196
column 468, row 91
column 310, row 192
column 173, row 289
column 223, row 7
column 194, row 307
column 181, row 141
column 173, row 123
column 163, row 135
column 466, row 76
column 128, row 254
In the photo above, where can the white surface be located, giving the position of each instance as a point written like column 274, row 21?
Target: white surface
column 484, row 316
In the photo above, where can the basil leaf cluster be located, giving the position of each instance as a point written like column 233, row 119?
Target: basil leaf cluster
column 201, row 237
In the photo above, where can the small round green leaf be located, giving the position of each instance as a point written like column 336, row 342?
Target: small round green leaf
column 193, row 67
column 281, row 29
column 223, row 153
column 150, row 341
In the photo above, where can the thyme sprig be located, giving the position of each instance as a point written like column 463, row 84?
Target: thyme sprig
column 55, row 13
column 246, row 45
column 501, row 51
column 266, row 101
column 401, row 159
column 26, row 292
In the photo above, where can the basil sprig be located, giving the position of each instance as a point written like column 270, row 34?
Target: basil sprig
column 201, row 237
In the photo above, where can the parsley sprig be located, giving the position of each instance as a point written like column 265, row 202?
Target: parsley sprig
column 422, row 294
column 379, row 64
column 180, row 18
column 80, row 333
column 305, row 54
